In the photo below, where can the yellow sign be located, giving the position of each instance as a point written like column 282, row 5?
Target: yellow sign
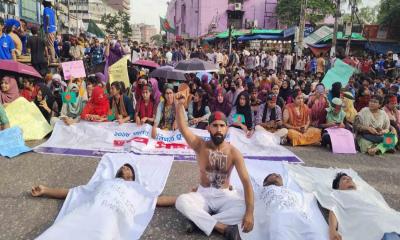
column 28, row 117
column 119, row 72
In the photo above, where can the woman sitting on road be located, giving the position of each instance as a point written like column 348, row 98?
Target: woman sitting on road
column 241, row 115
column 198, row 111
column 371, row 124
column 145, row 108
column 71, row 112
column 8, row 90
column 97, row 108
column 120, row 104
column 296, row 118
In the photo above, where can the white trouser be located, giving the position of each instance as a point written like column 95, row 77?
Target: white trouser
column 281, row 133
column 228, row 207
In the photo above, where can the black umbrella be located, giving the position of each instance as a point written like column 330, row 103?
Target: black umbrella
column 168, row 72
column 195, row 65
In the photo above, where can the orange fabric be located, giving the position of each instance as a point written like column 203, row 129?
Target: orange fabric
column 311, row 136
column 295, row 119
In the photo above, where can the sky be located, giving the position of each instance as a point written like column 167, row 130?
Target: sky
column 148, row 11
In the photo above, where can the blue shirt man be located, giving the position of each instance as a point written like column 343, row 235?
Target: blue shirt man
column 50, row 26
column 6, row 47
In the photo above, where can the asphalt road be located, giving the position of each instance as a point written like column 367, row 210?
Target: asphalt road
column 25, row 217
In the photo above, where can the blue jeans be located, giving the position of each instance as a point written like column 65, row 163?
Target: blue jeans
column 391, row 236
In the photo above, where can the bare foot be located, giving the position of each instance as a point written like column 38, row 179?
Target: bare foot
column 38, row 191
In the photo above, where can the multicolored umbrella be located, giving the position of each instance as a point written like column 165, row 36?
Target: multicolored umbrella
column 18, row 68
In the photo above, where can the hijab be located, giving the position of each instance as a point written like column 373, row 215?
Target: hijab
column 245, row 110
column 74, row 109
column 224, row 107
column 98, row 103
column 49, row 98
column 12, row 93
column 156, row 94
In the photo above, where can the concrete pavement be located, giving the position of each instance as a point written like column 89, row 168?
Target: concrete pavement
column 25, row 217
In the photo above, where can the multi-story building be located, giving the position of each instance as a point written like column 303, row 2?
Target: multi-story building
column 120, row 5
column 195, row 18
column 147, row 31
column 8, row 9
column 136, row 34
column 89, row 10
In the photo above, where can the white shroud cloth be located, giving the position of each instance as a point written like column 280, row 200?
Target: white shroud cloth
column 362, row 213
column 281, row 213
column 110, row 208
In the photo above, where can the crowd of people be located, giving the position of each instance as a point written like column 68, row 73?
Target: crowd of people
column 272, row 90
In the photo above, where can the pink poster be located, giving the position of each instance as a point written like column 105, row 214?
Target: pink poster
column 342, row 140
column 74, row 69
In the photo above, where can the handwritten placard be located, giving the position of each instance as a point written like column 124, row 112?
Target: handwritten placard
column 74, row 69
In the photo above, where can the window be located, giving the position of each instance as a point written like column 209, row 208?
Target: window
column 2, row 7
column 29, row 10
column 11, row 9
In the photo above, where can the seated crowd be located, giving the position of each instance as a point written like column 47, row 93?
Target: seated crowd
column 252, row 100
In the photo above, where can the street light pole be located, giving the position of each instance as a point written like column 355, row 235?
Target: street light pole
column 335, row 29
column 353, row 11
column 302, row 26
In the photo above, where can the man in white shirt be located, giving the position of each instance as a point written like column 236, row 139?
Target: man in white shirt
column 168, row 56
column 287, row 61
column 272, row 62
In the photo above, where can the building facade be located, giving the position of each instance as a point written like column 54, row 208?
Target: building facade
column 136, row 34
column 195, row 18
column 120, row 5
column 147, row 31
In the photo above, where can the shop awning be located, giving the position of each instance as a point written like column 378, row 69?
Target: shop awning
column 226, row 34
column 267, row 31
column 383, row 47
column 259, row 37
column 341, row 36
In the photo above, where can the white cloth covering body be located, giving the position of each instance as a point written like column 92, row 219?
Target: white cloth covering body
column 362, row 213
column 227, row 206
column 281, row 213
column 110, row 208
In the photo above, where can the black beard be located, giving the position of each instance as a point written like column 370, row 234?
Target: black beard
column 217, row 139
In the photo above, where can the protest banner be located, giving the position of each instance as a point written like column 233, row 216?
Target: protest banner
column 119, row 71
column 27, row 116
column 95, row 139
column 342, row 140
column 341, row 72
column 74, row 69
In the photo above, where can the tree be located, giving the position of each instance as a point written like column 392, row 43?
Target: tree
column 389, row 12
column 288, row 11
column 366, row 15
column 157, row 40
column 117, row 23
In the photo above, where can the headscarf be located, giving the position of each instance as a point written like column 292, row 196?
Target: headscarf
column 115, row 54
column 98, row 104
column 12, row 93
column 349, row 109
column 57, row 81
column 224, row 107
column 156, row 94
column 101, row 78
column 245, row 110
column 48, row 96
column 285, row 93
column 74, row 109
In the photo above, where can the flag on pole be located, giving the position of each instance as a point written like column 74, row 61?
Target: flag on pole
column 165, row 26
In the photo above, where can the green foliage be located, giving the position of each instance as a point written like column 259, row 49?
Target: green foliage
column 389, row 12
column 117, row 23
column 158, row 40
column 288, row 11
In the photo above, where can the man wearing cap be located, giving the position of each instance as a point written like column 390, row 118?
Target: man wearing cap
column 11, row 29
column 50, row 28
column 7, row 47
column 269, row 118
column 214, row 205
